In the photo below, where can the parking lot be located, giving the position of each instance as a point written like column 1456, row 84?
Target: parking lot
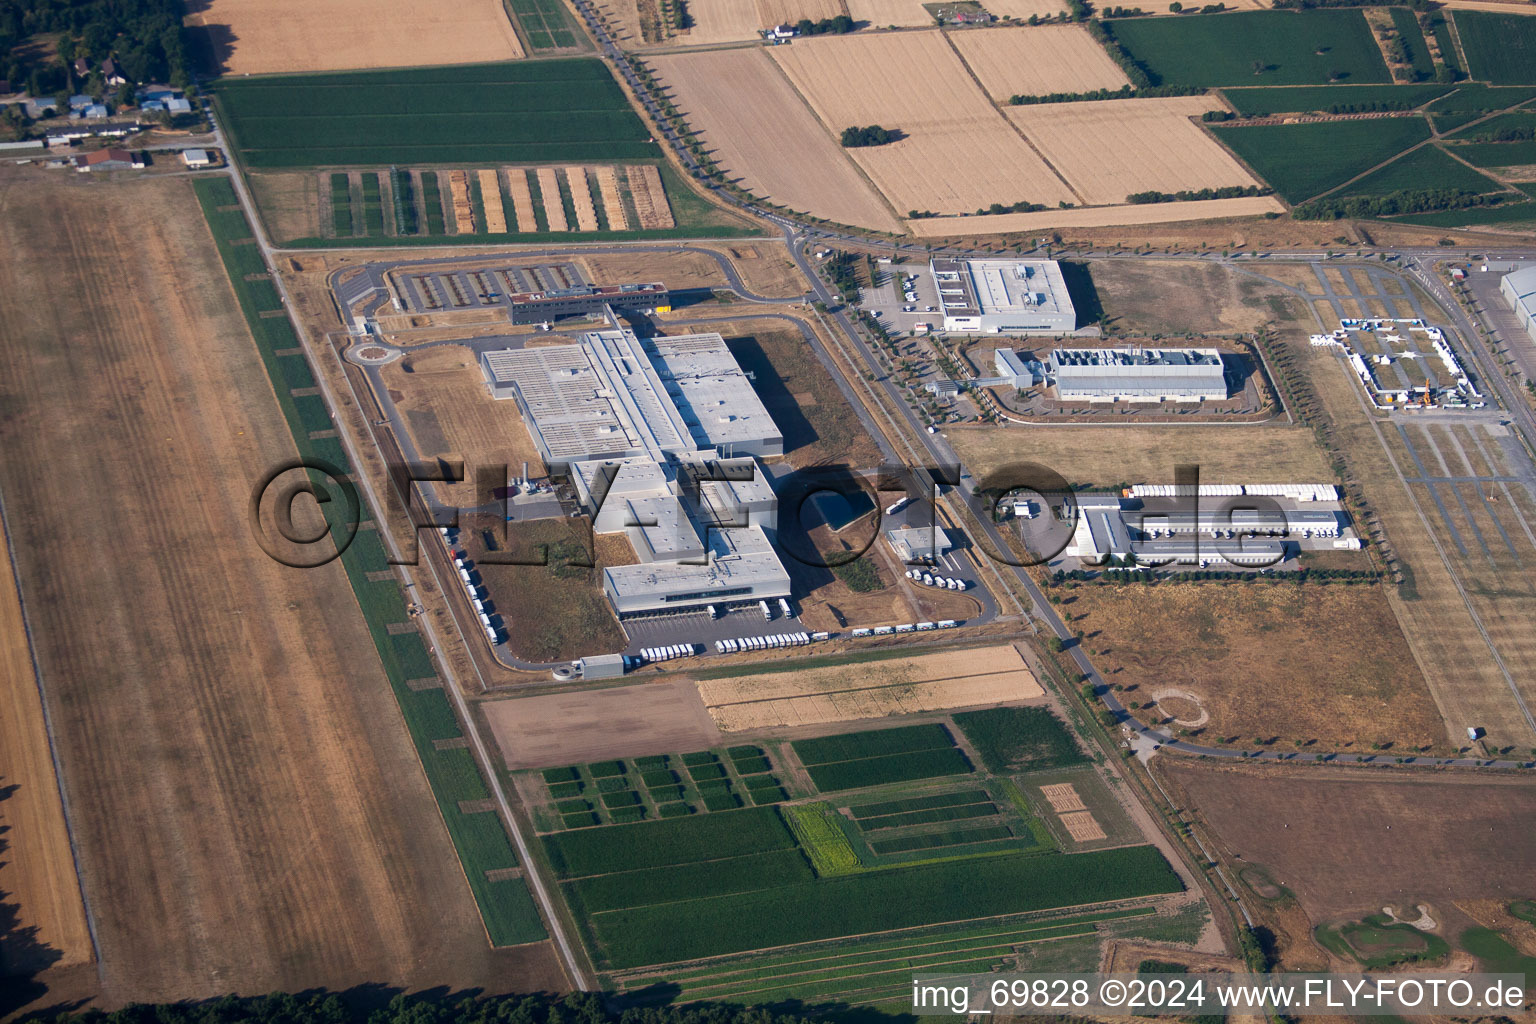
column 696, row 627
column 426, row 290
column 890, row 304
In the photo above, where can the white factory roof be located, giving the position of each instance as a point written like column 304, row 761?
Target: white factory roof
column 711, row 390
column 978, row 287
column 737, row 558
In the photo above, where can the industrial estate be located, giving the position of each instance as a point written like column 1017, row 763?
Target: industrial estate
column 634, row 511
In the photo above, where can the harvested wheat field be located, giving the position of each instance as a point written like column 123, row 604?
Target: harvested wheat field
column 748, row 114
column 1326, row 664
column 779, row 12
column 251, row 37
column 45, row 921
column 1152, row 145
column 450, row 414
column 734, row 21
column 1063, row 797
column 581, row 198
column 1038, row 61
column 238, row 773
column 1020, row 10
column 522, row 198
column 1105, row 456
column 613, row 200
column 959, row 154
column 650, row 197
column 490, row 197
column 1096, row 216
column 870, row 689
column 549, row 195
column 890, row 13
column 1082, row 826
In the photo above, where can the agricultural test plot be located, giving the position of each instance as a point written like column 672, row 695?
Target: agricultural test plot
column 164, row 708
column 959, row 153
column 1109, row 149
column 861, row 760
column 585, row 725
column 732, row 881
column 867, row 688
column 569, row 109
column 253, row 37
column 522, row 198
column 746, row 112
column 612, row 198
column 490, row 196
column 581, row 198
column 619, row 790
column 649, row 196
column 549, row 196
column 463, row 210
column 1038, row 61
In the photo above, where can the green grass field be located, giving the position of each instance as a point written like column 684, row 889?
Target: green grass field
column 506, row 907
column 519, row 112
column 1341, row 99
column 1426, row 167
column 1497, row 154
column 1255, row 48
column 1501, row 48
column 1303, row 160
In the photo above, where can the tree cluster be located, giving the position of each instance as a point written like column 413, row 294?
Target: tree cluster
column 1188, row 195
column 871, row 135
column 144, row 37
column 1402, row 201
column 838, row 26
column 1513, row 133
column 1134, row 70
column 1125, row 92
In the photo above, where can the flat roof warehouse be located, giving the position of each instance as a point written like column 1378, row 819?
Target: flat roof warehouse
column 635, row 423
column 995, row 296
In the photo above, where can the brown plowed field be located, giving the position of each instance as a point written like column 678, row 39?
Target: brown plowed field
column 1152, row 146
column 250, row 811
column 959, row 154
column 38, row 886
column 252, row 37
column 749, row 116
column 1037, row 61
column 1345, row 844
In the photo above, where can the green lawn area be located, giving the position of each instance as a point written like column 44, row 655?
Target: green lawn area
column 1303, row 160
column 1331, row 99
column 1501, row 48
column 1312, row 47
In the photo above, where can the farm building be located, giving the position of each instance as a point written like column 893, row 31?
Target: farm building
column 586, row 302
column 1003, row 296
column 196, row 158
column 1519, row 289
column 658, row 437
column 1137, row 374
column 109, row 160
column 1242, row 530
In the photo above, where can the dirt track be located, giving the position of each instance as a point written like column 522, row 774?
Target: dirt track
column 249, row 808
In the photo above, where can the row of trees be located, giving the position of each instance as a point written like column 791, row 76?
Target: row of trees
column 1392, row 203
column 838, row 26
column 1188, row 195
column 1514, row 133
column 1125, row 92
column 1306, row 5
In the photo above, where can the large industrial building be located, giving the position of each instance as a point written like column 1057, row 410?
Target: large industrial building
column 1519, row 289
column 658, row 437
column 1244, row 526
column 1137, row 374
column 1003, row 296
